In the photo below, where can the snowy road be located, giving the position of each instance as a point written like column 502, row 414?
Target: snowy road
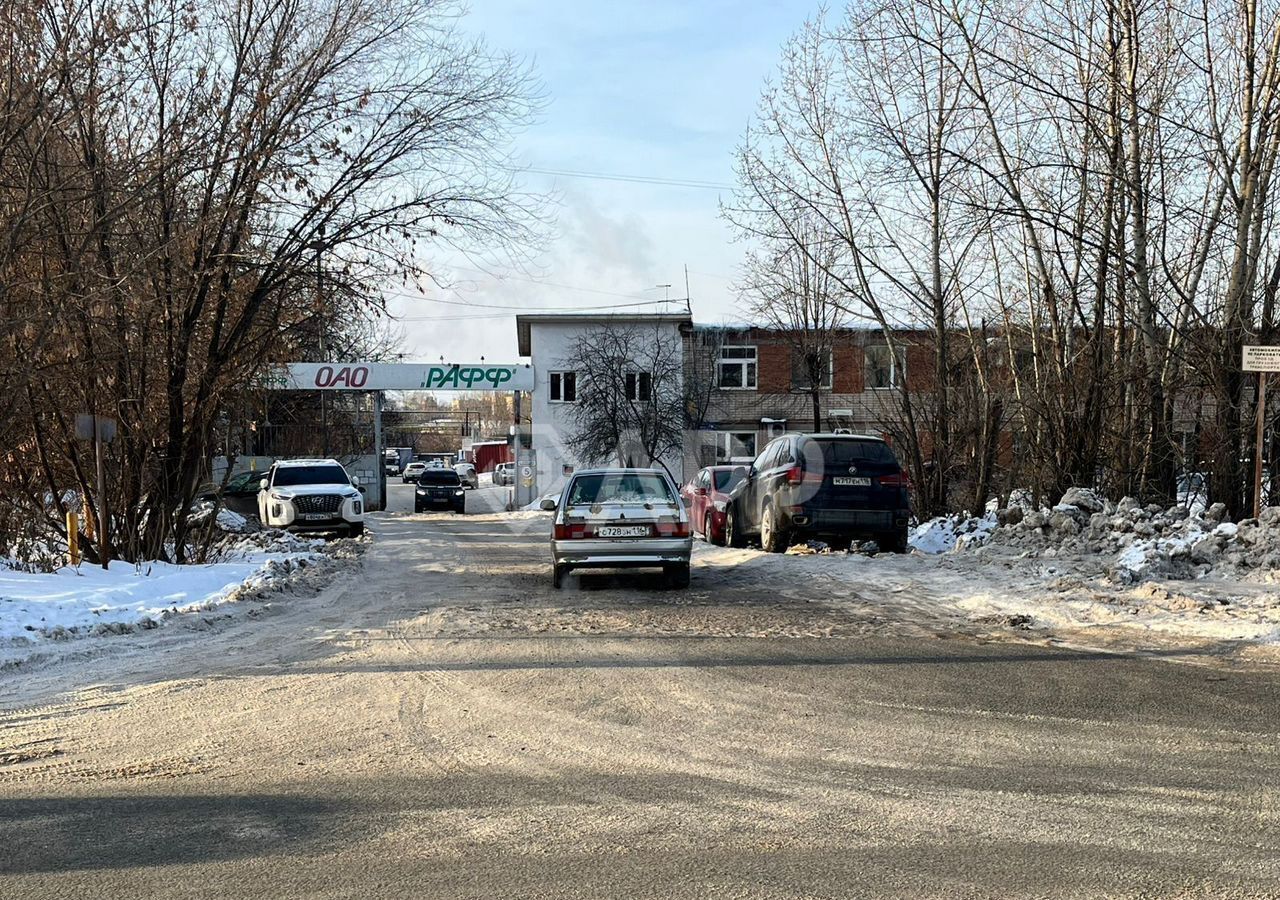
column 440, row 723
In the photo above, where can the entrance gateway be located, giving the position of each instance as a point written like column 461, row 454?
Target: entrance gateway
column 375, row 378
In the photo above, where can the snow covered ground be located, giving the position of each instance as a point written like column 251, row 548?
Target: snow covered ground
column 83, row 601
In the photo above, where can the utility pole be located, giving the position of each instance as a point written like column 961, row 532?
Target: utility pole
column 319, row 245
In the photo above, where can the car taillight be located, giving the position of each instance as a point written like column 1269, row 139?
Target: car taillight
column 895, row 480
column 571, row 531
column 672, row 529
column 798, row 475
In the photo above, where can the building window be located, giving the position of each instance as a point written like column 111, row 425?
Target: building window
column 735, row 445
column 564, row 387
column 884, row 369
column 639, row 387
column 800, row 371
column 737, row 368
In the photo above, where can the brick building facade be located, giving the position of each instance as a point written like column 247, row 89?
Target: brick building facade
column 747, row 385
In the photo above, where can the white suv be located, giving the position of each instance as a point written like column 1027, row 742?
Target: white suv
column 504, row 473
column 311, row 495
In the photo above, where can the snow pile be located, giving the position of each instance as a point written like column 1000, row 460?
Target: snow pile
column 536, row 505
column 89, row 600
column 1142, row 542
column 227, row 520
column 947, row 533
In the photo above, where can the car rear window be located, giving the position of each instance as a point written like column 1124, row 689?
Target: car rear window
column 439, row 476
column 844, row 453
column 727, row 481
column 289, row 476
column 611, row 487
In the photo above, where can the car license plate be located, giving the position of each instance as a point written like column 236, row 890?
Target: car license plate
column 845, row 481
column 623, row 531
column 315, row 517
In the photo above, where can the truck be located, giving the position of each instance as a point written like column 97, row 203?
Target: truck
column 396, row 458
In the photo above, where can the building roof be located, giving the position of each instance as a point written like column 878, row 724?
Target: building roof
column 524, row 332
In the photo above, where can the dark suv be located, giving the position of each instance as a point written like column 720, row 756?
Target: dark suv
column 834, row 486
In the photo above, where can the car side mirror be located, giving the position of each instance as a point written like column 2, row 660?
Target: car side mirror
column 355, row 480
column 547, row 505
column 701, row 492
column 262, row 485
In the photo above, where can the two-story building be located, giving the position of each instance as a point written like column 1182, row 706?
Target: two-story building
column 559, row 348
column 742, row 385
column 750, row 384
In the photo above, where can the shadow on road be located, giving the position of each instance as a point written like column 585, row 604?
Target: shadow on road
column 73, row 833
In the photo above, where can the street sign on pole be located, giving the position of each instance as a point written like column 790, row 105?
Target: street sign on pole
column 1263, row 360
column 101, row 431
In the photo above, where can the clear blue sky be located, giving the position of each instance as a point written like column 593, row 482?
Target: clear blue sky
column 653, row 89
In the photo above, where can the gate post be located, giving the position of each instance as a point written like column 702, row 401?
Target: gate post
column 378, row 451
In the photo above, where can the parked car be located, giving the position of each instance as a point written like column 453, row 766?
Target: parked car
column 620, row 518
column 439, row 488
column 504, row 473
column 707, row 497
column 311, row 495
column 467, row 473
column 239, row 494
column 831, row 486
column 412, row 471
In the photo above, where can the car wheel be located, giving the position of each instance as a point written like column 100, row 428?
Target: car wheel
column 733, row 536
column 772, row 537
column 557, row 577
column 894, row 541
column 839, row 544
column 355, row 529
column 677, row 577
column 707, row 534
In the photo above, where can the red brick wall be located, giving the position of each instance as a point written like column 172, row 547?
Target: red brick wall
column 920, row 374
column 775, row 368
column 850, row 368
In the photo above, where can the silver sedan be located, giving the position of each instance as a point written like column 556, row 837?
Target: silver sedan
column 620, row 518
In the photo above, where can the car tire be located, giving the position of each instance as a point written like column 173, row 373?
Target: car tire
column 839, row 544
column 893, row 541
column 677, row 577
column 355, row 529
column 733, row 536
column 708, row 533
column 557, row 577
column 773, row 539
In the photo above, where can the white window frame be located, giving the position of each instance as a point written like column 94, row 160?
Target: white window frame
column 555, row 384
column 896, row 372
column 742, row 363
column 831, row 373
column 724, row 445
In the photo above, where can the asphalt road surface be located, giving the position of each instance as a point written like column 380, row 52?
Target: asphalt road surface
column 441, row 723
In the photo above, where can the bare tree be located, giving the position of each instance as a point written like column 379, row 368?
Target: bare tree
column 215, row 188
column 790, row 290
column 630, row 406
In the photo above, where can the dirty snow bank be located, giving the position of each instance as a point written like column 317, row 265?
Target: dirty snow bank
column 1088, row 562
column 75, row 602
column 947, row 533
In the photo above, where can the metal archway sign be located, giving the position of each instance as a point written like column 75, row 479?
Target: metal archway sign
column 359, row 376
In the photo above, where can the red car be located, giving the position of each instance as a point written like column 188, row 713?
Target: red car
column 707, row 493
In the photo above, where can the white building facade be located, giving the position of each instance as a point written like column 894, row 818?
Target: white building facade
column 560, row 350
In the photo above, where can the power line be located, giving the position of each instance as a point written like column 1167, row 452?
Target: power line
column 630, row 179
column 535, row 309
